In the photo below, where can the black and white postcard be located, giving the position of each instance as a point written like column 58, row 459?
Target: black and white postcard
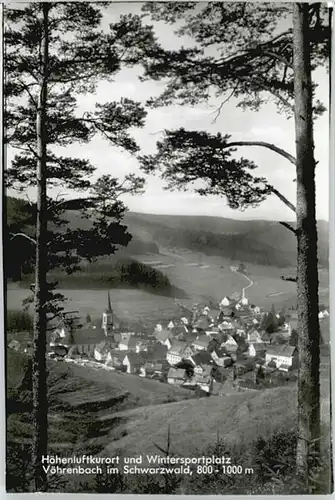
column 166, row 247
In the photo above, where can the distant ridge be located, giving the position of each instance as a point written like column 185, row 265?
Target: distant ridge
column 255, row 241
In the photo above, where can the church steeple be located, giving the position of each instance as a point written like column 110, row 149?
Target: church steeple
column 109, row 304
column 107, row 317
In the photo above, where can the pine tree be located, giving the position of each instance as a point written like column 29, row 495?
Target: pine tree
column 307, row 271
column 53, row 53
column 282, row 318
column 258, row 65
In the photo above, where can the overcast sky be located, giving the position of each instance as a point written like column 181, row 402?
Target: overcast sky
column 266, row 125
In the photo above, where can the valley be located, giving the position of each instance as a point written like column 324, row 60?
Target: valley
column 105, row 412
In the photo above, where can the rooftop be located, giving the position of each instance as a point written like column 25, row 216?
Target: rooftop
column 177, row 373
column 281, row 350
column 177, row 347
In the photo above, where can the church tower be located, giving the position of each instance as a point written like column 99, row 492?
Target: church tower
column 107, row 317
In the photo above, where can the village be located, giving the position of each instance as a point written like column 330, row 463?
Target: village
column 234, row 347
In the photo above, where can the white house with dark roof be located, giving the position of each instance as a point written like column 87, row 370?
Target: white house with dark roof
column 202, row 361
column 179, row 350
column 202, row 323
column 176, row 376
column 257, row 349
column 213, row 332
column 253, row 336
column 164, row 337
column 225, row 302
column 129, row 343
column 229, row 345
column 221, row 359
column 133, row 362
column 284, row 357
column 201, row 343
column 323, row 314
column 114, row 359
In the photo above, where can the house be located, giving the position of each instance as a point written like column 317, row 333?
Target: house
column 190, row 337
column 128, row 344
column 253, row 336
column 230, row 345
column 266, row 338
column 164, row 337
column 225, row 302
column 284, row 357
column 15, row 345
column 153, row 368
column 213, row 331
column 82, row 350
column 256, row 349
column 201, row 343
column 58, row 351
column 180, row 331
column 227, row 327
column 226, row 313
column 204, row 381
column 204, row 371
column 177, row 352
column 202, row 323
column 323, row 314
column 176, row 376
column 126, row 335
column 89, row 334
column 114, row 359
column 141, row 346
column 101, row 351
column 202, row 361
column 156, row 352
column 240, row 331
column 117, row 338
column 133, row 363
column 221, row 359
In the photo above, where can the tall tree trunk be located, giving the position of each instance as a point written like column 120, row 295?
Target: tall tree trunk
column 39, row 372
column 307, row 275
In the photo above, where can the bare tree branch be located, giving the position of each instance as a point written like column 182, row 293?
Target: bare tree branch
column 283, row 199
column 23, row 235
column 288, row 226
column 263, row 144
column 218, row 111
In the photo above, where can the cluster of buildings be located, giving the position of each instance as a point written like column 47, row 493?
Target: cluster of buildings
column 204, row 348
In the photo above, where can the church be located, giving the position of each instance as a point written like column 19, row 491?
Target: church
column 86, row 337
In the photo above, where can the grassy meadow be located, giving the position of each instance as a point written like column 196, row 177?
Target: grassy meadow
column 237, row 418
column 202, row 278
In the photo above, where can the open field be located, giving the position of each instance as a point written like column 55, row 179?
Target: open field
column 237, row 418
column 203, row 278
column 133, row 306
column 78, row 396
column 137, row 391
